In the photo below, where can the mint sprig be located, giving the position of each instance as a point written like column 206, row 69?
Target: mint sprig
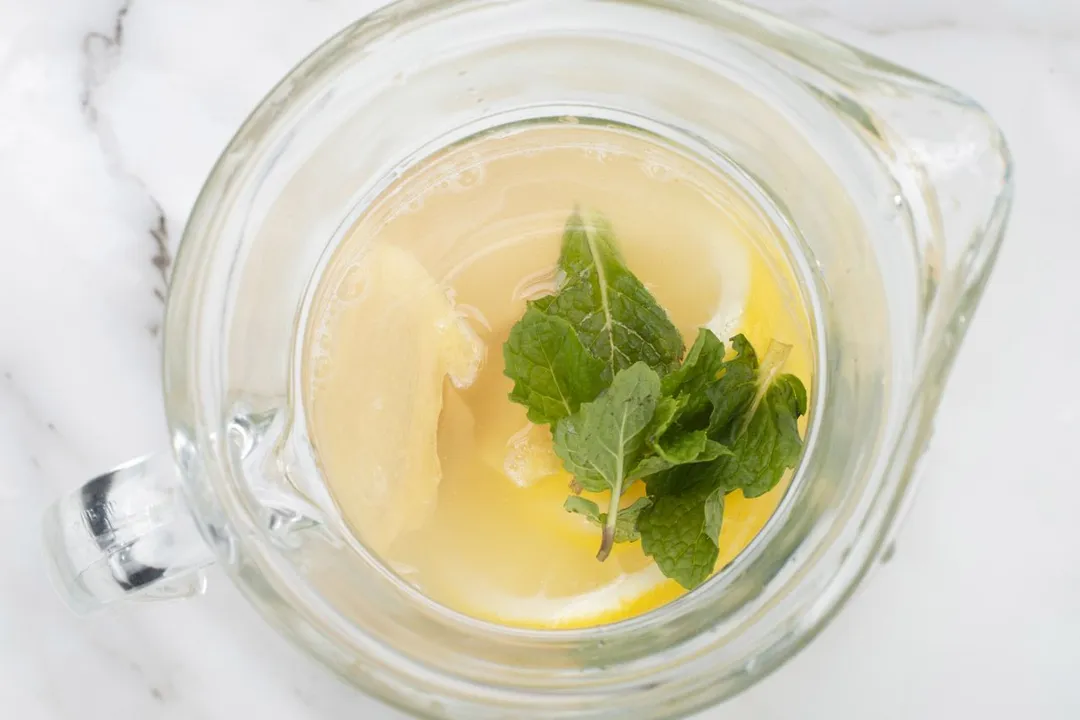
column 602, row 364
column 606, row 437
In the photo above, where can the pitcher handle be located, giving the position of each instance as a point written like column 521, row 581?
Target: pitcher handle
column 126, row 534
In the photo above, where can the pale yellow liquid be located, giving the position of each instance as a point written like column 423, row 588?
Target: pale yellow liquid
column 483, row 222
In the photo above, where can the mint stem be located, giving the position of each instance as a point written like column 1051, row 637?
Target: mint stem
column 607, row 539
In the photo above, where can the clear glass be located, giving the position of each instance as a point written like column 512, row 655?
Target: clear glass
column 892, row 191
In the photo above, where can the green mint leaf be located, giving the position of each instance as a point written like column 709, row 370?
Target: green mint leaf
column 625, row 523
column 667, row 409
column 677, row 479
column 670, row 446
column 582, row 506
column 793, row 394
column 666, row 480
column 572, row 449
column 649, row 466
column 770, row 445
column 680, row 531
column 758, row 410
column 606, row 437
column 670, row 441
column 761, row 455
column 686, row 407
column 765, row 435
column 693, row 447
column 617, row 318
column 699, row 368
column 552, row 371
column 732, row 394
column 714, row 515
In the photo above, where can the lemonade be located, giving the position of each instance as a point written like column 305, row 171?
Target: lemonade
column 430, row 463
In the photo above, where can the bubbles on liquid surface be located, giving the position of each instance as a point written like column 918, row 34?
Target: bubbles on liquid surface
column 457, row 177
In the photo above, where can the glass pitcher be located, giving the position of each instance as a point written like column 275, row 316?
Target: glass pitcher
column 892, row 193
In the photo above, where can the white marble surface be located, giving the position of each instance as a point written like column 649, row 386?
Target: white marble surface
column 111, row 114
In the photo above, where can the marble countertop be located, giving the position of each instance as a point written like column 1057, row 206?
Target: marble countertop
column 111, row 114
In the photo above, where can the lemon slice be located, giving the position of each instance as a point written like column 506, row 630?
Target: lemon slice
column 568, row 588
column 617, row 600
